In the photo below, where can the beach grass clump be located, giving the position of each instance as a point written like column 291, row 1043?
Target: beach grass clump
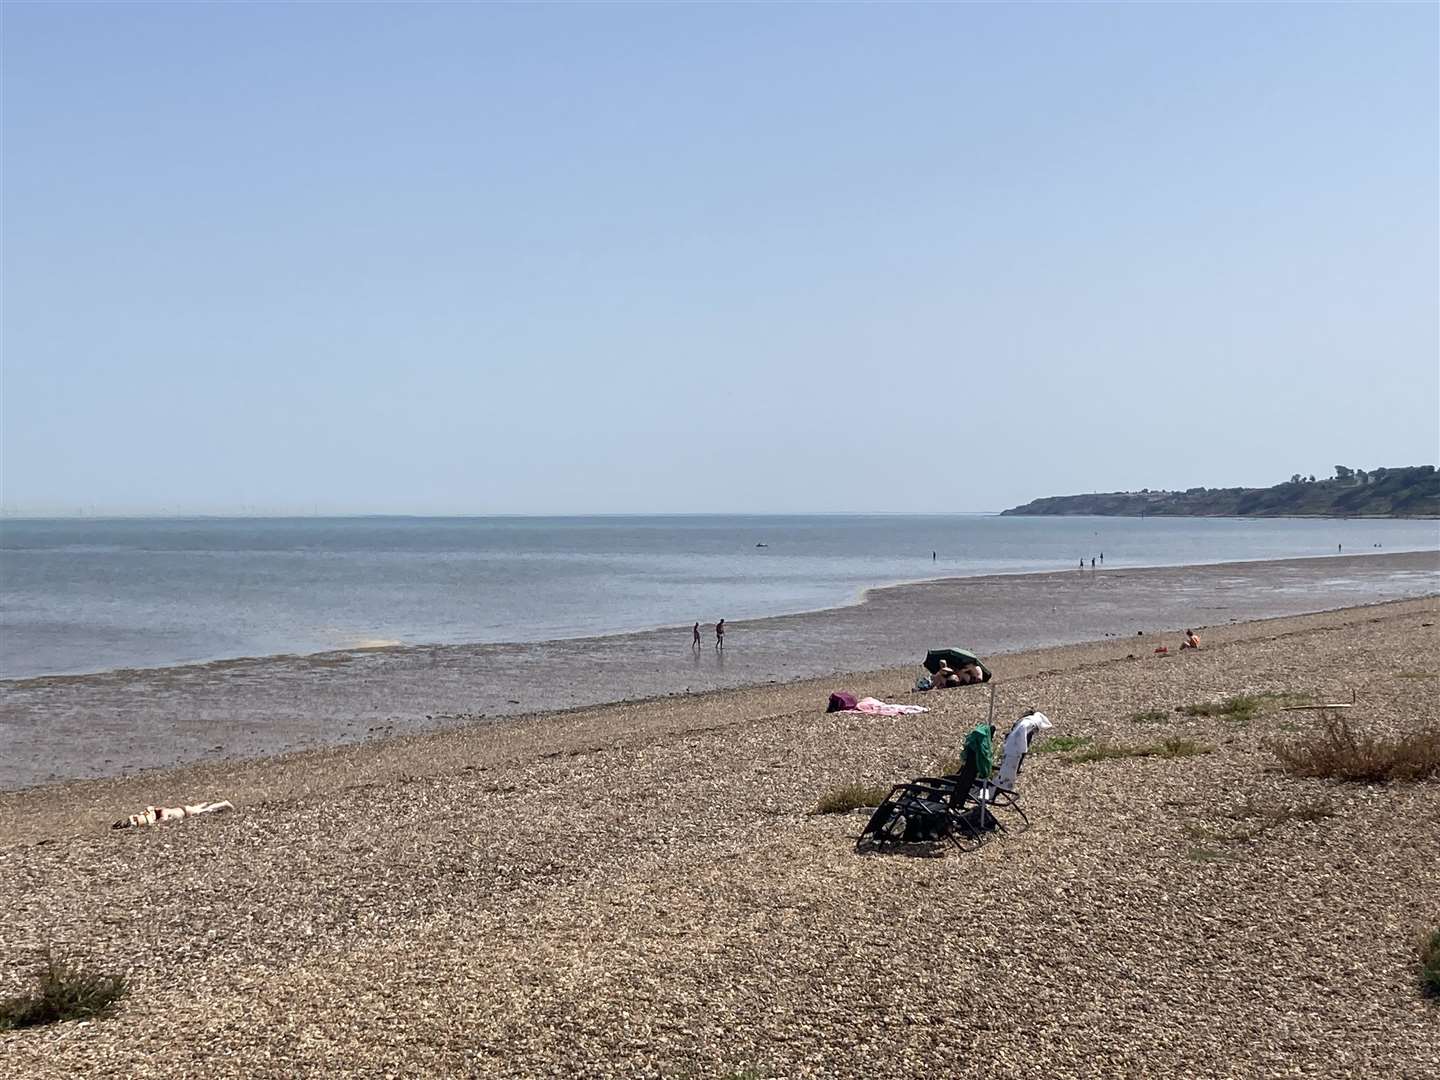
column 851, row 796
column 62, row 992
column 1430, row 963
column 1242, row 708
column 1239, row 709
column 1335, row 751
column 1105, row 751
column 1178, row 747
column 1062, row 744
column 1150, row 716
column 1169, row 748
column 1253, row 819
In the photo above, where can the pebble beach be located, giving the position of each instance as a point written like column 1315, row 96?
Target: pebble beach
column 643, row 890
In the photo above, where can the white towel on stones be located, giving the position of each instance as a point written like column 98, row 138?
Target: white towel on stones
column 1016, row 744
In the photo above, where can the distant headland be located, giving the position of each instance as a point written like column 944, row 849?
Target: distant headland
column 1412, row 492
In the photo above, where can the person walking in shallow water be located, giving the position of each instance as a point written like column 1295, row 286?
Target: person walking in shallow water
column 695, row 638
column 720, row 634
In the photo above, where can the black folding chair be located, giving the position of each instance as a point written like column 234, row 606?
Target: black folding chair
column 931, row 809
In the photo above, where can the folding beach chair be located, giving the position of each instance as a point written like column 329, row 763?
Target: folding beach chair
column 1003, row 791
column 930, row 809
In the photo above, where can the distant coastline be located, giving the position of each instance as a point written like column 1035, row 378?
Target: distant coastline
column 1410, row 492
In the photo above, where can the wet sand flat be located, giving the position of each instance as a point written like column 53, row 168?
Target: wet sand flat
column 639, row 890
column 66, row 727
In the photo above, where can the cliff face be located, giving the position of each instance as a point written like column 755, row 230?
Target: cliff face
column 1413, row 491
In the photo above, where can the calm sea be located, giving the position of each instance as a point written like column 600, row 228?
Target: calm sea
column 91, row 595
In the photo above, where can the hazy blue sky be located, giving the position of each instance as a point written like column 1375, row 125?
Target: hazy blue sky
column 683, row 258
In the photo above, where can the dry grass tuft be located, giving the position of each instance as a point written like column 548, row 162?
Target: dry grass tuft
column 1333, row 751
column 1169, row 748
column 65, row 992
column 1178, row 748
column 1150, row 716
column 1430, row 964
column 1250, row 810
column 1253, row 819
column 1242, row 708
column 851, row 796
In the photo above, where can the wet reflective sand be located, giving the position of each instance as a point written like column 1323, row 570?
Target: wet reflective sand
column 67, row 727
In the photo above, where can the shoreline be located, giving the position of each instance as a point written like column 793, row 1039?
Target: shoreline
column 861, row 597
column 90, row 804
column 70, row 727
column 642, row 889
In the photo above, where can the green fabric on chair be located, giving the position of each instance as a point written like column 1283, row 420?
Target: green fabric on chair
column 982, row 739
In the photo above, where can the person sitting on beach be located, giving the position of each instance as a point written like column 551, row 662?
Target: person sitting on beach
column 945, row 676
column 1191, row 640
column 948, row 676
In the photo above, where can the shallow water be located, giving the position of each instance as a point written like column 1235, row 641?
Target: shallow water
column 85, row 595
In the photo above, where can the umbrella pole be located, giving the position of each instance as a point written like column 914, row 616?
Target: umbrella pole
column 991, row 721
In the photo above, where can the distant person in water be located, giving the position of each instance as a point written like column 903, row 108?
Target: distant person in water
column 1192, row 641
column 695, row 639
column 934, row 555
column 1339, row 548
column 720, row 634
column 1102, row 556
column 1082, row 564
column 1092, row 563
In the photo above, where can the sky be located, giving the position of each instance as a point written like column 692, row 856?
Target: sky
column 464, row 259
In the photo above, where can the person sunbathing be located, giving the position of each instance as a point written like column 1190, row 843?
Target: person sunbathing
column 947, row 676
column 1191, row 640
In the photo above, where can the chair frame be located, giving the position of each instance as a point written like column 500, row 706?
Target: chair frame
column 949, row 801
column 1006, row 798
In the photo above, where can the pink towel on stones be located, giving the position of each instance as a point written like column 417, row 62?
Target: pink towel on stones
column 876, row 707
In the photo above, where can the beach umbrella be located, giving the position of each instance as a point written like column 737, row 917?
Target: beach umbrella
column 956, row 658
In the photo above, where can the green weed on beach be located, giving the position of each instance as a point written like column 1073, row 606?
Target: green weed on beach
column 1242, row 708
column 1062, row 744
column 63, row 992
column 1430, row 963
column 851, row 796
